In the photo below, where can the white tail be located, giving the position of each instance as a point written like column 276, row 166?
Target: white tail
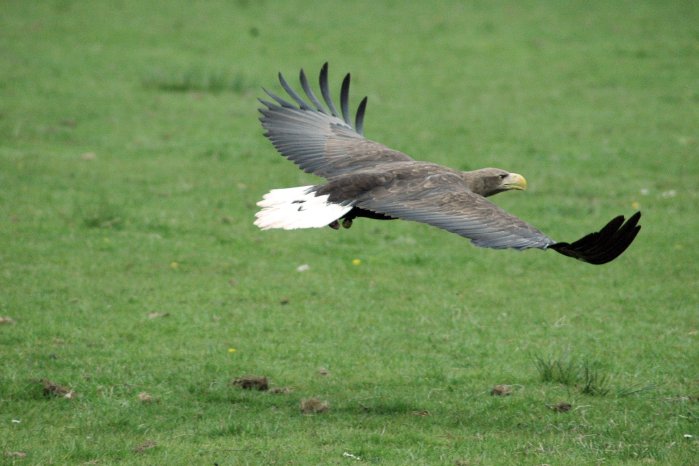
column 299, row 207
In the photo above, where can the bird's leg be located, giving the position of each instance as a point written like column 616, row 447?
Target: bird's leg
column 335, row 225
column 347, row 219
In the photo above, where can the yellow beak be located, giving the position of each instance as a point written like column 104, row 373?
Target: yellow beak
column 515, row 181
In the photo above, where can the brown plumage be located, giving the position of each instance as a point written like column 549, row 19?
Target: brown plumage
column 368, row 179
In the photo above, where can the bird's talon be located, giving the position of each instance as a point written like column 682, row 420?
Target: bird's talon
column 347, row 223
column 335, row 225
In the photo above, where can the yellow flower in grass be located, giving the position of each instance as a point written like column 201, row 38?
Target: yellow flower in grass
column 356, row 261
column 232, row 350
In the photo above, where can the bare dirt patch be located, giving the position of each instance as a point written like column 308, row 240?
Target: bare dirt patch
column 314, row 405
column 54, row 389
column 501, row 390
column 251, row 382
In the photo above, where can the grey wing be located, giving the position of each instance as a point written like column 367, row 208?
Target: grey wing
column 318, row 138
column 458, row 210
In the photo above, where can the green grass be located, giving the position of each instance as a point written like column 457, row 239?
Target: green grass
column 131, row 159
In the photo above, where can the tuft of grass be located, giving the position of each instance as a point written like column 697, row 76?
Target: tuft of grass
column 556, row 370
column 585, row 375
column 593, row 381
column 101, row 213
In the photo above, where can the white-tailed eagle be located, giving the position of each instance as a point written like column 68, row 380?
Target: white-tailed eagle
column 368, row 179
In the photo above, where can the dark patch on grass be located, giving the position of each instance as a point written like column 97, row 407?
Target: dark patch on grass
column 145, row 446
column 561, row 407
column 251, row 382
column 101, row 214
column 197, row 80
column 389, row 408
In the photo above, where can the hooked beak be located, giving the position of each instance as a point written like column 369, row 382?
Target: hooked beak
column 514, row 181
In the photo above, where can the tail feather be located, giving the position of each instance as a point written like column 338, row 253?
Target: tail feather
column 299, row 207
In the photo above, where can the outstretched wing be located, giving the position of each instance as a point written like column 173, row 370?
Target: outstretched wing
column 462, row 212
column 318, row 138
column 456, row 209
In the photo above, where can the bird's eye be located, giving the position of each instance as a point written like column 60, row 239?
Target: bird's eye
column 502, row 177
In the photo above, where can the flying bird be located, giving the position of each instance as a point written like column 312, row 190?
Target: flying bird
column 367, row 179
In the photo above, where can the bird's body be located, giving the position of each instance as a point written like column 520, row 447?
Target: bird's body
column 367, row 179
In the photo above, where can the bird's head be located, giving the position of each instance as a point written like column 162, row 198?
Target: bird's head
column 489, row 181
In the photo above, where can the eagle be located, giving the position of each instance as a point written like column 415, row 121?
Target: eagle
column 367, row 179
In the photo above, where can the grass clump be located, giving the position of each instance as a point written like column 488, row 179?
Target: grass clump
column 585, row 375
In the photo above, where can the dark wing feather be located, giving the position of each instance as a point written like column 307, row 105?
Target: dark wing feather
column 605, row 245
column 320, row 140
column 359, row 119
column 325, row 89
column 309, row 92
column 344, row 100
column 289, row 90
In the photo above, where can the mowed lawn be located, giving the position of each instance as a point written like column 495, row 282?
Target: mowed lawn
column 134, row 287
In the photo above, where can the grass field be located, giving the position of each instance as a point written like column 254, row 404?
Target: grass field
column 131, row 159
